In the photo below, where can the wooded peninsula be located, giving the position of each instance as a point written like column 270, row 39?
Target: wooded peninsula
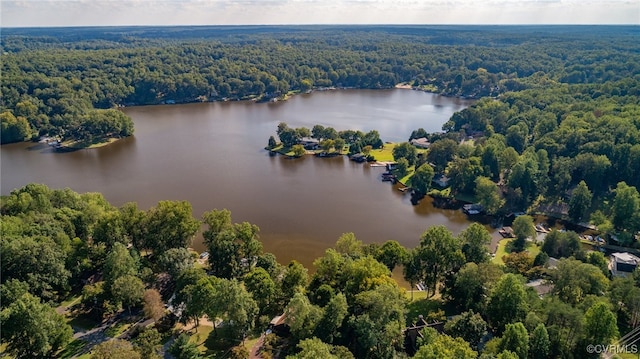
column 555, row 130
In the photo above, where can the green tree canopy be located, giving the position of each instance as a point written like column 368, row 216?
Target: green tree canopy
column 507, row 302
column 439, row 254
column 421, row 180
column 33, row 329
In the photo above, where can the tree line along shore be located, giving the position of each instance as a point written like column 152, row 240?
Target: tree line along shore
column 88, row 279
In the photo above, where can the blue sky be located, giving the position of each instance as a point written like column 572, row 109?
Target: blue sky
column 237, row 12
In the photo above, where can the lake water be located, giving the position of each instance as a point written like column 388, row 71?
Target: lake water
column 211, row 154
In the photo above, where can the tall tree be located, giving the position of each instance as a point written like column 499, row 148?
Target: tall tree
column 439, row 254
column 488, row 195
column 119, row 263
column 302, row 317
column 170, row 225
column 421, row 180
column 407, row 151
column 539, row 343
column 40, row 262
column 153, row 307
column 262, row 288
column 377, row 322
column 127, row 290
column 183, row 348
column 149, row 344
column 626, row 208
column 441, row 152
column 463, row 173
column 475, row 241
column 522, row 228
column 32, row 329
column 600, row 325
column 333, row 315
column 472, row 286
column 391, row 254
column 580, row 202
column 469, row 326
column 515, row 339
column 507, row 302
column 235, row 305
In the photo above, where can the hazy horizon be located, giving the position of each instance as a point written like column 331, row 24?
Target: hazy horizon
column 69, row 13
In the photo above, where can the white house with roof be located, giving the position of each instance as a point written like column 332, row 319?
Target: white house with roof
column 623, row 263
column 421, row 142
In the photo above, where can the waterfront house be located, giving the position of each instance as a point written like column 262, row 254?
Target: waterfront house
column 441, row 180
column 309, row 143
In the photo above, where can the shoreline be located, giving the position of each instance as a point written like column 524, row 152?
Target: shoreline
column 285, row 97
column 70, row 145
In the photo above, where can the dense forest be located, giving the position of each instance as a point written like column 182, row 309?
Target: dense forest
column 57, row 81
column 122, row 263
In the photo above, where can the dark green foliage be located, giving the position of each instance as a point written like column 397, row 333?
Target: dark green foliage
column 469, row 326
column 421, row 180
column 233, row 247
column 439, row 254
column 39, row 262
column 562, row 244
column 406, row 151
column 475, row 241
column 539, row 343
column 515, row 339
column 522, row 228
column 580, row 202
column 472, row 285
column 183, row 349
column 14, row 129
column 33, row 329
column 149, row 343
column 401, row 168
column 391, row 254
column 507, row 302
column 574, row 280
column 169, row 225
column 441, row 152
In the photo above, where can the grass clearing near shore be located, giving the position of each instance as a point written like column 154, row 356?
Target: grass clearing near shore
column 504, row 248
column 384, row 154
column 77, row 145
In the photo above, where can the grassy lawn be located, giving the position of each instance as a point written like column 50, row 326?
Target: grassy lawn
column 75, row 347
column 121, row 327
column 99, row 142
column 217, row 344
column 71, row 301
column 504, row 248
column 426, row 307
column 384, row 154
column 82, row 321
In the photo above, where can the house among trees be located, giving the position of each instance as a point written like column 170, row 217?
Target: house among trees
column 441, row 180
column 412, row 333
column 541, row 286
column 420, row 142
column 309, row 143
column 622, row 264
column 278, row 325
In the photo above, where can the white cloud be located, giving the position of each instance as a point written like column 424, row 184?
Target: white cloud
column 202, row 12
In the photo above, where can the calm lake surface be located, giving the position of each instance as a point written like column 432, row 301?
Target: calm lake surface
column 211, row 154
